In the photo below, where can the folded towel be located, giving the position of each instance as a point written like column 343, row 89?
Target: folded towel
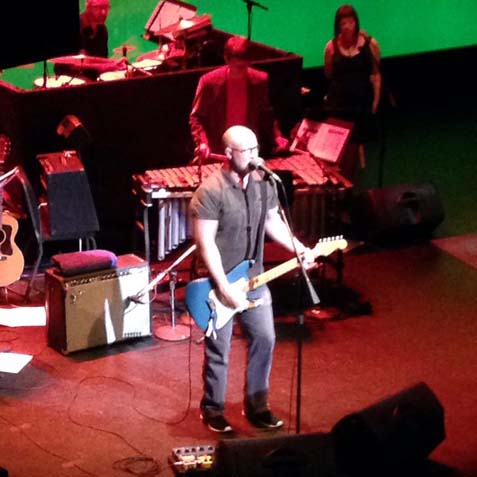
column 76, row 263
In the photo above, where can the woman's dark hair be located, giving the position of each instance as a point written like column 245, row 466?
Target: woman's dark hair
column 343, row 12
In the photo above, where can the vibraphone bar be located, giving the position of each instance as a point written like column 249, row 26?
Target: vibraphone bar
column 172, row 188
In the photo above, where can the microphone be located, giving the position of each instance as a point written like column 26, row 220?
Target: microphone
column 259, row 163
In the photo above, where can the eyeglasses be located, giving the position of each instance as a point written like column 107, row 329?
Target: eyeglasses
column 248, row 149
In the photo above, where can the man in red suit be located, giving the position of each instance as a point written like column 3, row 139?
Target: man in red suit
column 232, row 95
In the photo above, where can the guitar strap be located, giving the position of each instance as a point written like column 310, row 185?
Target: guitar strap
column 263, row 194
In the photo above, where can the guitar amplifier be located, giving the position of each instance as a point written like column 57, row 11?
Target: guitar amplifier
column 93, row 309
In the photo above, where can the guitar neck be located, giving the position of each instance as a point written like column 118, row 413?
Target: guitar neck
column 5, row 145
column 273, row 273
column 323, row 248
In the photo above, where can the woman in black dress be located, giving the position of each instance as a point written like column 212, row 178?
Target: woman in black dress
column 352, row 67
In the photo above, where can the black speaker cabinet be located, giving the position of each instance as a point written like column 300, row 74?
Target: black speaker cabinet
column 93, row 309
column 402, row 211
column 71, row 209
column 279, row 456
column 396, row 432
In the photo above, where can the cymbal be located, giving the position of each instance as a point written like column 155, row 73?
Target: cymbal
column 82, row 61
column 122, row 48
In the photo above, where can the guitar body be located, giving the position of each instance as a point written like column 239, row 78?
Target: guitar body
column 11, row 258
column 202, row 303
column 210, row 314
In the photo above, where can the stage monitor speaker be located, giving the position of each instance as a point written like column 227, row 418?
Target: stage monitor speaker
column 93, row 309
column 392, row 434
column 398, row 212
column 299, row 455
column 71, row 209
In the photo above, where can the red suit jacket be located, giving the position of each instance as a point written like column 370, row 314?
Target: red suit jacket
column 208, row 115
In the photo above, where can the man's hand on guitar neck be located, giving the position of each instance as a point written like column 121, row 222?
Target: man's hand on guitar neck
column 306, row 253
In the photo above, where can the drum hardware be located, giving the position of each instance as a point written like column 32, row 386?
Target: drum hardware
column 83, row 61
column 60, row 81
column 124, row 49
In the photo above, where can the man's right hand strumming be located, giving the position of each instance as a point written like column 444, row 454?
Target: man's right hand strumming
column 232, row 296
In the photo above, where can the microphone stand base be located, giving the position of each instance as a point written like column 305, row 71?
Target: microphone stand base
column 322, row 313
column 172, row 333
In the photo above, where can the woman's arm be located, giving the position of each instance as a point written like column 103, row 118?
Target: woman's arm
column 375, row 77
column 329, row 51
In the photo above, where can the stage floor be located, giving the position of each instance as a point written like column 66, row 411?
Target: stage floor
column 98, row 411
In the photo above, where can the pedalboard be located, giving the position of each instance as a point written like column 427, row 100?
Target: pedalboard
column 196, row 459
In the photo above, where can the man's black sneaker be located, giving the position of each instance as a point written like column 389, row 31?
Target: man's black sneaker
column 217, row 423
column 264, row 420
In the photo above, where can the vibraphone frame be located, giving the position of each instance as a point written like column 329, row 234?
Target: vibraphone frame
column 173, row 188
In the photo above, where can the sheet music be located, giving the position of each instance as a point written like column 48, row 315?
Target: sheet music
column 328, row 142
column 169, row 12
column 323, row 140
column 13, row 362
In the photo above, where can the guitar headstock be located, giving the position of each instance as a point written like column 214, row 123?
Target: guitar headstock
column 328, row 245
column 5, row 148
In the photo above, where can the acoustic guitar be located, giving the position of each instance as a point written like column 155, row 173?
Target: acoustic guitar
column 11, row 258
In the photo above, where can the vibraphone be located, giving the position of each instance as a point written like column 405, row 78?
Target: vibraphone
column 172, row 188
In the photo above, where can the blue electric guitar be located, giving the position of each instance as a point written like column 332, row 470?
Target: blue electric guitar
column 210, row 314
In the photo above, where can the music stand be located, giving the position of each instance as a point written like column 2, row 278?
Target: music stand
column 166, row 13
column 325, row 141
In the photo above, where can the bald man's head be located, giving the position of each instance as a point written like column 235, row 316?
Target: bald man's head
column 241, row 147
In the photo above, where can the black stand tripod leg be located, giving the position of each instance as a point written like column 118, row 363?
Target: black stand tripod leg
column 299, row 340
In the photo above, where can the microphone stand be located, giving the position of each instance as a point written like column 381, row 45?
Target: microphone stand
column 250, row 4
column 45, row 74
column 300, row 317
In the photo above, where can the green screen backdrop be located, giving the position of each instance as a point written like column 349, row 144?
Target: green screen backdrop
column 303, row 26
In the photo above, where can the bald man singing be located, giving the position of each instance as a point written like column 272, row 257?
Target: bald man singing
column 231, row 213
